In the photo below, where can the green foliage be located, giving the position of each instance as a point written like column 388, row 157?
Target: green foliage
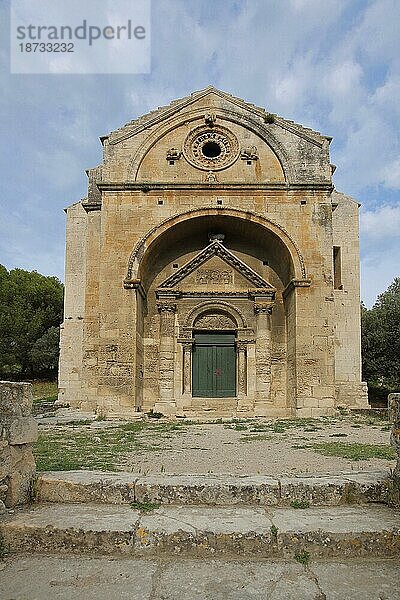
column 145, row 506
column 31, row 309
column 355, row 451
column 79, row 446
column 300, row 504
column 381, row 342
column 302, row 557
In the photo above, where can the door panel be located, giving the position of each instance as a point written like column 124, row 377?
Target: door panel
column 214, row 365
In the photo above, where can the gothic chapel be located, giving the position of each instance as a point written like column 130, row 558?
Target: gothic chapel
column 212, row 270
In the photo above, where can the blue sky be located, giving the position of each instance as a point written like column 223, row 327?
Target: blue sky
column 333, row 65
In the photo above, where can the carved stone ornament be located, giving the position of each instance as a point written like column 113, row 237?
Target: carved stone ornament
column 216, row 321
column 263, row 307
column 211, row 149
column 206, row 276
column 168, row 307
column 210, row 119
column 211, row 177
column 173, row 154
column 249, row 153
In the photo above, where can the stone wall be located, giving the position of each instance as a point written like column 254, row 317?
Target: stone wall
column 394, row 417
column 18, row 430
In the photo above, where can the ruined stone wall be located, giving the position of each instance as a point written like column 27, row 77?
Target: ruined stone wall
column 71, row 331
column 18, row 430
column 349, row 389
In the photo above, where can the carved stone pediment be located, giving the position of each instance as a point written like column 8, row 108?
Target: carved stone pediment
column 208, row 275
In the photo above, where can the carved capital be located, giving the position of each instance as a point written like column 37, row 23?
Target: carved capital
column 166, row 307
column 263, row 307
column 241, row 345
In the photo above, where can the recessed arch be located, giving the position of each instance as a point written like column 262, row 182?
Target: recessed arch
column 218, row 306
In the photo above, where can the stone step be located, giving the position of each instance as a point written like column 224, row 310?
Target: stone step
column 124, row 488
column 194, row 531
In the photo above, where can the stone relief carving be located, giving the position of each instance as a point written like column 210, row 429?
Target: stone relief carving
column 205, row 276
column 173, row 154
column 249, row 153
column 169, row 307
column 210, row 119
column 216, row 321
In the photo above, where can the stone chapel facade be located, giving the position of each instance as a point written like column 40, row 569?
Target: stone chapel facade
column 212, row 270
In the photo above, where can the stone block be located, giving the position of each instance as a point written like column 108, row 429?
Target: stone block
column 23, row 430
column 15, row 399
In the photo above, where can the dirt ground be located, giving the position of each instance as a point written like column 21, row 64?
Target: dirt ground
column 216, row 449
column 247, row 447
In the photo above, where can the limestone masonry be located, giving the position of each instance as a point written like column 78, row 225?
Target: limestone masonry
column 212, row 270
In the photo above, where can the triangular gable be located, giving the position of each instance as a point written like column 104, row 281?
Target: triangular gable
column 216, row 248
column 165, row 112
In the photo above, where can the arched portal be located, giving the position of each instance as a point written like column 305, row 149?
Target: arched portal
column 213, row 317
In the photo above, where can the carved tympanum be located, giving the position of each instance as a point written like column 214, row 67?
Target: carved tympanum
column 214, row 321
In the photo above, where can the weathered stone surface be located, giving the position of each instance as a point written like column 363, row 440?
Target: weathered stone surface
column 86, row 486
column 18, row 431
column 339, row 531
column 63, row 578
column 71, row 529
column 23, row 430
column 205, row 531
column 120, row 488
column 207, row 490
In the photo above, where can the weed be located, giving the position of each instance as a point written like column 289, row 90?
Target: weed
column 274, row 532
column 3, row 548
column 145, row 506
column 300, row 504
column 302, row 557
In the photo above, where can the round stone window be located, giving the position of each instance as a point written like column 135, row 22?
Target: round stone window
column 211, row 148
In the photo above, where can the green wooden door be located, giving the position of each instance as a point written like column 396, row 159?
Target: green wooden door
column 214, row 365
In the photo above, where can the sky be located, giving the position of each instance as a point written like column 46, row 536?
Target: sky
column 332, row 65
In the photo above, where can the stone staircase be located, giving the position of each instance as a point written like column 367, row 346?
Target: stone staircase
column 97, row 513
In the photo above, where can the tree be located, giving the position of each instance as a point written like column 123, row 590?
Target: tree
column 381, row 340
column 30, row 305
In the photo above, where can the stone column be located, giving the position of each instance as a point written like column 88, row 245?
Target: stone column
column 166, row 403
column 242, row 368
column 187, row 368
column 263, row 311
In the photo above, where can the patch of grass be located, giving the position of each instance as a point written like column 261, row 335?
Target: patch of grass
column 44, row 390
column 300, row 504
column 302, row 557
column 66, row 449
column 355, row 451
column 145, row 506
column 262, row 437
